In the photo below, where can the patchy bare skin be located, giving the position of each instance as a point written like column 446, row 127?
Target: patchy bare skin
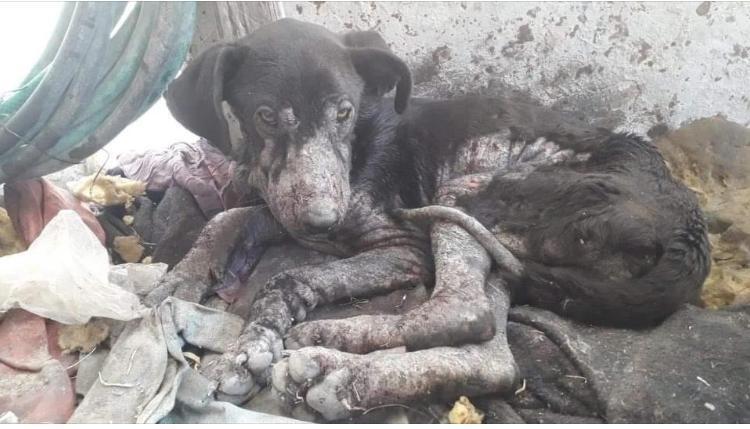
column 393, row 256
column 338, row 384
column 299, row 112
column 457, row 313
column 457, row 309
column 390, row 263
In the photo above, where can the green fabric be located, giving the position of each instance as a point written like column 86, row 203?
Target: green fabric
column 116, row 81
column 36, row 111
column 54, row 43
column 90, row 84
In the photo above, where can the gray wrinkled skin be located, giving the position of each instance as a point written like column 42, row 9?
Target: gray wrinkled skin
column 309, row 185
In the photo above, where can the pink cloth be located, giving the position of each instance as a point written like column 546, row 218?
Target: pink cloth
column 198, row 167
column 32, row 203
column 36, row 390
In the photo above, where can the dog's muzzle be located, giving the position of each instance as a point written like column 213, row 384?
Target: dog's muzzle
column 320, row 217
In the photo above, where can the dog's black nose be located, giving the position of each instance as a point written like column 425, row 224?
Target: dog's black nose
column 320, row 217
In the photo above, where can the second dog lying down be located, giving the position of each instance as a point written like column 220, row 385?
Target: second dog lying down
column 602, row 231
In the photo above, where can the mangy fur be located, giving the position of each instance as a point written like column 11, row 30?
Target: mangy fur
column 602, row 230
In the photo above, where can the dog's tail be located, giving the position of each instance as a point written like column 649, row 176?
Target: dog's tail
column 504, row 258
column 580, row 294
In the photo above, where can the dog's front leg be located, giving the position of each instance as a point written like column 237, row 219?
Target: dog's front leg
column 288, row 297
column 338, row 384
column 192, row 278
column 457, row 313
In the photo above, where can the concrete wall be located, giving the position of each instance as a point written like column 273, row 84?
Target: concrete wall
column 631, row 65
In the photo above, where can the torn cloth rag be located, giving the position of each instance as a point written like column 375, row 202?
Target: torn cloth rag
column 146, row 379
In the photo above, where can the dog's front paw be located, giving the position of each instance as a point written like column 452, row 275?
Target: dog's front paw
column 319, row 379
column 246, row 366
column 339, row 385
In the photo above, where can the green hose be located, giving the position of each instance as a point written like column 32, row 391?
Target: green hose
column 89, row 84
column 109, row 92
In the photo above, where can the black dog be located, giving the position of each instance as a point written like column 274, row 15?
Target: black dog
column 603, row 232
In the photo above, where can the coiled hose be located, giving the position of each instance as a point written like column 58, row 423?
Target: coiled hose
column 100, row 72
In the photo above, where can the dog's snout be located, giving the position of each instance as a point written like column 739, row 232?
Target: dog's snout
column 320, row 217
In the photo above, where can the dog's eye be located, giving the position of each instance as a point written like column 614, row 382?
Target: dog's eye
column 267, row 116
column 344, row 113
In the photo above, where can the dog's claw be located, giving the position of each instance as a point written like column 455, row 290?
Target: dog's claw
column 234, row 383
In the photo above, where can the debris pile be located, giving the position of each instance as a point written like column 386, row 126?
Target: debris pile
column 76, row 263
column 711, row 156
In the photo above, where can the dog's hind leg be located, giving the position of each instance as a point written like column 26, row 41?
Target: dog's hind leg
column 458, row 311
column 338, row 384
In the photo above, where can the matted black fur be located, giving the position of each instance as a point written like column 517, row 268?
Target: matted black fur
column 613, row 239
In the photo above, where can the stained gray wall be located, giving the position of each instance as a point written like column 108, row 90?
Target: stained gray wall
column 633, row 64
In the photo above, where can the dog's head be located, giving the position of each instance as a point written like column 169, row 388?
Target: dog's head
column 295, row 89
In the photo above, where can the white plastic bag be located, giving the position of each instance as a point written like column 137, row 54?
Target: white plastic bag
column 64, row 276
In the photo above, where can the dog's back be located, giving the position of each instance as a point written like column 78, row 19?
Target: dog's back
column 613, row 239
column 606, row 234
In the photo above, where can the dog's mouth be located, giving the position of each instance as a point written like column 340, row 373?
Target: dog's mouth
column 320, row 237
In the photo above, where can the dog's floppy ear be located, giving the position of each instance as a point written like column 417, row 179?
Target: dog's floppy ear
column 364, row 39
column 195, row 97
column 378, row 66
column 381, row 71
